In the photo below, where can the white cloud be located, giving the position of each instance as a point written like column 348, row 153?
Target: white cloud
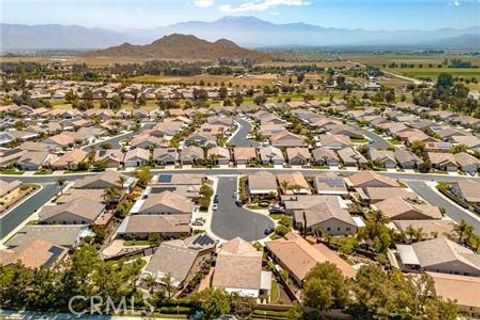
column 262, row 5
column 203, row 3
column 456, row 3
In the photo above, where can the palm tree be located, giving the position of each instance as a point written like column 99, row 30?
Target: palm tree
column 284, row 185
column 60, row 184
column 110, row 194
column 150, row 282
column 377, row 217
column 121, row 181
column 410, row 233
column 168, row 282
column 463, row 230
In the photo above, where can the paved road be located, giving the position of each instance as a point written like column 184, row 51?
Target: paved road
column 230, row 221
column 240, row 137
column 113, row 142
column 452, row 210
column 376, row 141
column 13, row 218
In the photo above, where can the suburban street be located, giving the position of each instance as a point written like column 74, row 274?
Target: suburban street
column 18, row 214
column 239, row 139
column 452, row 210
column 376, row 141
column 230, row 221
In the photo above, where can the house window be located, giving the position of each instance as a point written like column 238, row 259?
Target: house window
column 348, row 229
column 338, row 228
column 328, row 229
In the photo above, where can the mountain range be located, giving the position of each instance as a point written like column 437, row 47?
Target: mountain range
column 246, row 31
column 183, row 47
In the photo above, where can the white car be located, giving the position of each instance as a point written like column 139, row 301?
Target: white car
column 215, row 206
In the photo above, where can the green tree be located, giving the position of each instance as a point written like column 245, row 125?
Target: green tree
column 325, row 287
column 214, row 302
column 144, row 175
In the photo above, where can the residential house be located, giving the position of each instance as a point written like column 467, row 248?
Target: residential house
column 111, row 158
column 298, row 156
column 335, row 142
column 34, row 254
column 192, row 155
column 462, row 290
column 244, row 155
column 467, row 162
column 371, row 195
column 398, row 208
column 219, row 155
column 443, row 161
column 365, row 179
column 323, row 156
column 60, row 141
column 439, row 255
column 430, row 228
column 407, row 159
column 35, row 160
column 146, row 141
column 238, row 269
column 271, row 155
column 351, row 157
column 105, row 180
column 165, row 156
column 329, row 216
column 329, row 183
column 70, row 160
column 262, row 183
column 181, row 260
column 137, row 157
column 201, row 139
column 286, row 139
column 68, row 236
column 293, row 183
column 166, row 202
column 297, row 256
column 467, row 190
column 141, row 226
column 78, row 211
column 383, row 158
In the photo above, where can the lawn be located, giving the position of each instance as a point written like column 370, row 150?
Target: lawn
column 131, row 243
column 11, row 171
column 274, row 292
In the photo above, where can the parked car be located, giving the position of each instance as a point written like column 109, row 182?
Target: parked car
column 268, row 231
column 215, row 206
column 215, row 199
column 277, row 209
column 239, row 203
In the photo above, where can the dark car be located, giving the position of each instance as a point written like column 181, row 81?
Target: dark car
column 277, row 209
column 239, row 203
column 215, row 199
column 268, row 231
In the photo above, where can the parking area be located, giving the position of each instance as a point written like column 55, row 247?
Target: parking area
column 230, row 221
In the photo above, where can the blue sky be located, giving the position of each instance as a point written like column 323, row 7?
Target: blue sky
column 351, row 14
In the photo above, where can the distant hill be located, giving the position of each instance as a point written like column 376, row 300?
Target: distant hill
column 254, row 32
column 245, row 31
column 55, row 36
column 182, row 47
column 465, row 41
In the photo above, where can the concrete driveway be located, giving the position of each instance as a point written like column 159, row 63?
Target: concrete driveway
column 231, row 221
